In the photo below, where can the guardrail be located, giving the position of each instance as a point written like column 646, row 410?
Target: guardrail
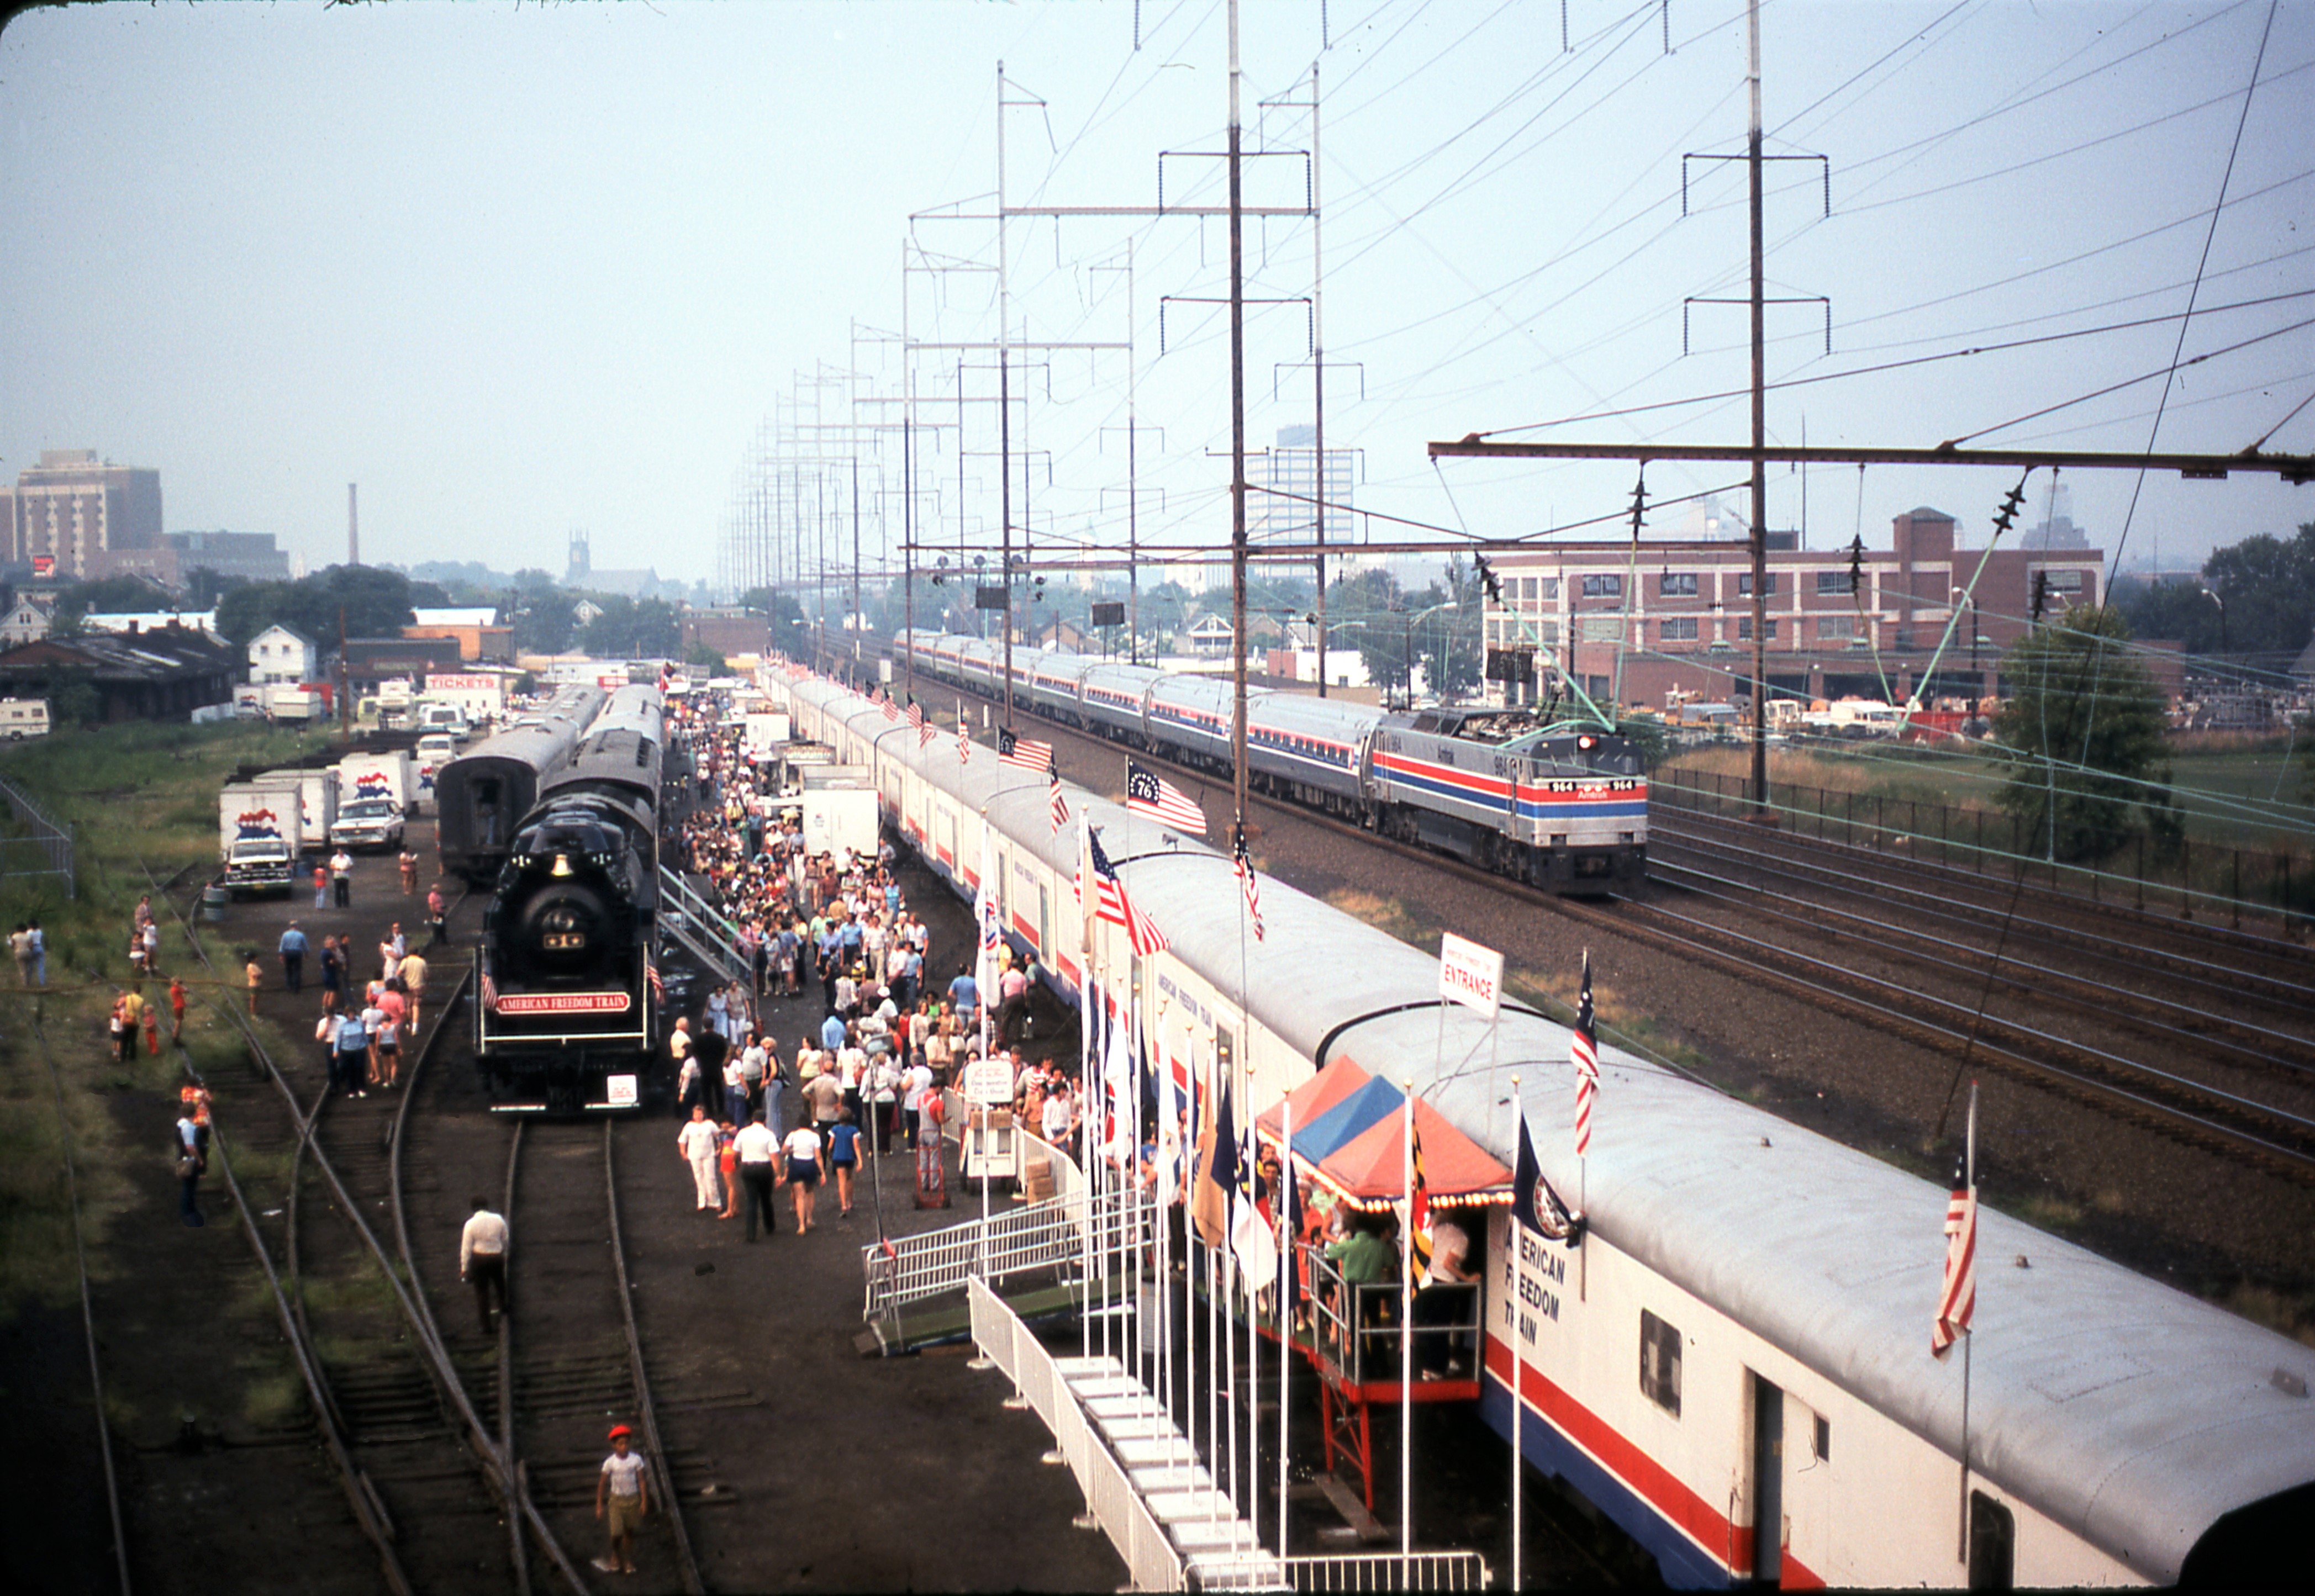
column 50, row 843
column 1046, row 1235
column 1111, row 1500
column 1358, row 1571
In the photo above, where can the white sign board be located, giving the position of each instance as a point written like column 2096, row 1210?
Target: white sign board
column 622, row 1094
column 1469, row 975
column 988, row 1082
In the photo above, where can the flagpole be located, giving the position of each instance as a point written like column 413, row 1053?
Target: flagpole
column 982, row 960
column 1516, row 1237
column 1406, row 1344
column 1280, row 1201
column 1086, row 1011
column 1968, row 1334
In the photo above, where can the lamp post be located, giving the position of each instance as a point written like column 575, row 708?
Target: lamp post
column 1408, row 659
column 2221, row 603
column 1974, row 637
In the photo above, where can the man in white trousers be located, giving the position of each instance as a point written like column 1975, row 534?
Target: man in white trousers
column 696, row 1142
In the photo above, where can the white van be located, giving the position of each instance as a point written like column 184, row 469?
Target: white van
column 23, row 717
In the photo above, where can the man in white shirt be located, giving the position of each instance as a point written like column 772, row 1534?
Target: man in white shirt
column 481, row 1259
column 755, row 1146
column 696, row 1142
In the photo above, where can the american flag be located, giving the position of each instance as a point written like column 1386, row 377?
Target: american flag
column 916, row 715
column 1146, row 793
column 892, row 710
column 1583, row 1052
column 1061, row 804
column 658, row 986
column 963, row 746
column 1022, row 751
column 1244, row 866
column 1958, row 1300
column 1114, row 904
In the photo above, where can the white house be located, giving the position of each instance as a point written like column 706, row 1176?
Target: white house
column 282, row 656
column 28, row 622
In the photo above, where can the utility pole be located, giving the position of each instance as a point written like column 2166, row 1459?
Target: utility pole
column 1318, row 384
column 856, row 564
column 1759, row 429
column 1237, row 448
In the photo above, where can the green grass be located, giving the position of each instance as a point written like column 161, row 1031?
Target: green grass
column 132, row 796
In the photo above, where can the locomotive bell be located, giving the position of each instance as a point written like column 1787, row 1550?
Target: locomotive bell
column 562, row 866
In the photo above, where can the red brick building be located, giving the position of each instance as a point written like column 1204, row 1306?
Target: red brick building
column 1681, row 617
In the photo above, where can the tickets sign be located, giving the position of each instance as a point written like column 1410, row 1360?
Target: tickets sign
column 562, row 1003
column 1469, row 975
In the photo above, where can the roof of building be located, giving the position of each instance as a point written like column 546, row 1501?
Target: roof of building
column 287, row 631
column 152, row 620
column 481, row 614
column 161, row 651
column 1922, row 513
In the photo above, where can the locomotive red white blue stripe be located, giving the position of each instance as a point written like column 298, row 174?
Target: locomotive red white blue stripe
column 1562, row 806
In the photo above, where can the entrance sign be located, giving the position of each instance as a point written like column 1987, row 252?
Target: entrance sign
column 988, row 1082
column 1469, row 975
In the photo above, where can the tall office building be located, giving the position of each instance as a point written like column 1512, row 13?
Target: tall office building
column 68, row 516
column 1291, row 468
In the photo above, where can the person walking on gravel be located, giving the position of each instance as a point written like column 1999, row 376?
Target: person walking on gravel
column 342, row 877
column 481, row 1260
column 623, row 1490
column 696, row 1142
column 414, row 989
column 437, row 932
column 803, row 1148
column 293, row 959
column 756, row 1150
column 409, row 862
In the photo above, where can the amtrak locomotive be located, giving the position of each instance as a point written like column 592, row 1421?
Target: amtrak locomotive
column 568, row 1019
column 1563, row 806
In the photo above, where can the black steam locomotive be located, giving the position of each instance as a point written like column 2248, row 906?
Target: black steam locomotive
column 568, row 1020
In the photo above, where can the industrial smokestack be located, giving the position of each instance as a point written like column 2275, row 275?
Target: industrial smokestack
column 353, row 528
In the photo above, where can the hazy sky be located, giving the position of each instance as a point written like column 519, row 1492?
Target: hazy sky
column 518, row 271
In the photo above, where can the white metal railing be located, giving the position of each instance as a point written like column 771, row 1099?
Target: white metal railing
column 1044, row 1234
column 1359, row 1572
column 698, row 926
column 1150, row 1560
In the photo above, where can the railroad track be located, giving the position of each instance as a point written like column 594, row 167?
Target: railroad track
column 2229, row 1040
column 388, row 1427
column 2288, row 998
column 2091, row 924
column 87, row 1306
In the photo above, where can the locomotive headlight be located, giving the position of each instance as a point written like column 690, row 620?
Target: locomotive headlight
column 560, row 930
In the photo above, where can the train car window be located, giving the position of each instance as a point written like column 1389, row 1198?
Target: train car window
column 1822, row 1440
column 1660, row 1362
column 1992, row 1543
column 1225, row 1051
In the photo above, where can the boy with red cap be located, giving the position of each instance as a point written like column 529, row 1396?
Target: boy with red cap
column 623, row 1489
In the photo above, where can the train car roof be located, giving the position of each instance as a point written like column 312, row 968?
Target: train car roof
column 2131, row 1414
column 1309, row 715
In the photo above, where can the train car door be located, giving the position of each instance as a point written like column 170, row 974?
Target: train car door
column 1768, row 1482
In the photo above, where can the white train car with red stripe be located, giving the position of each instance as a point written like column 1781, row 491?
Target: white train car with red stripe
column 1733, row 1361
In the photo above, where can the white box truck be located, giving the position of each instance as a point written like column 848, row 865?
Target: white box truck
column 767, row 729
column 839, row 811
column 259, row 834
column 317, row 799
column 390, row 774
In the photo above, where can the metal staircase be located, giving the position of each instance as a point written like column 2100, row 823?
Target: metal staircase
column 687, row 917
